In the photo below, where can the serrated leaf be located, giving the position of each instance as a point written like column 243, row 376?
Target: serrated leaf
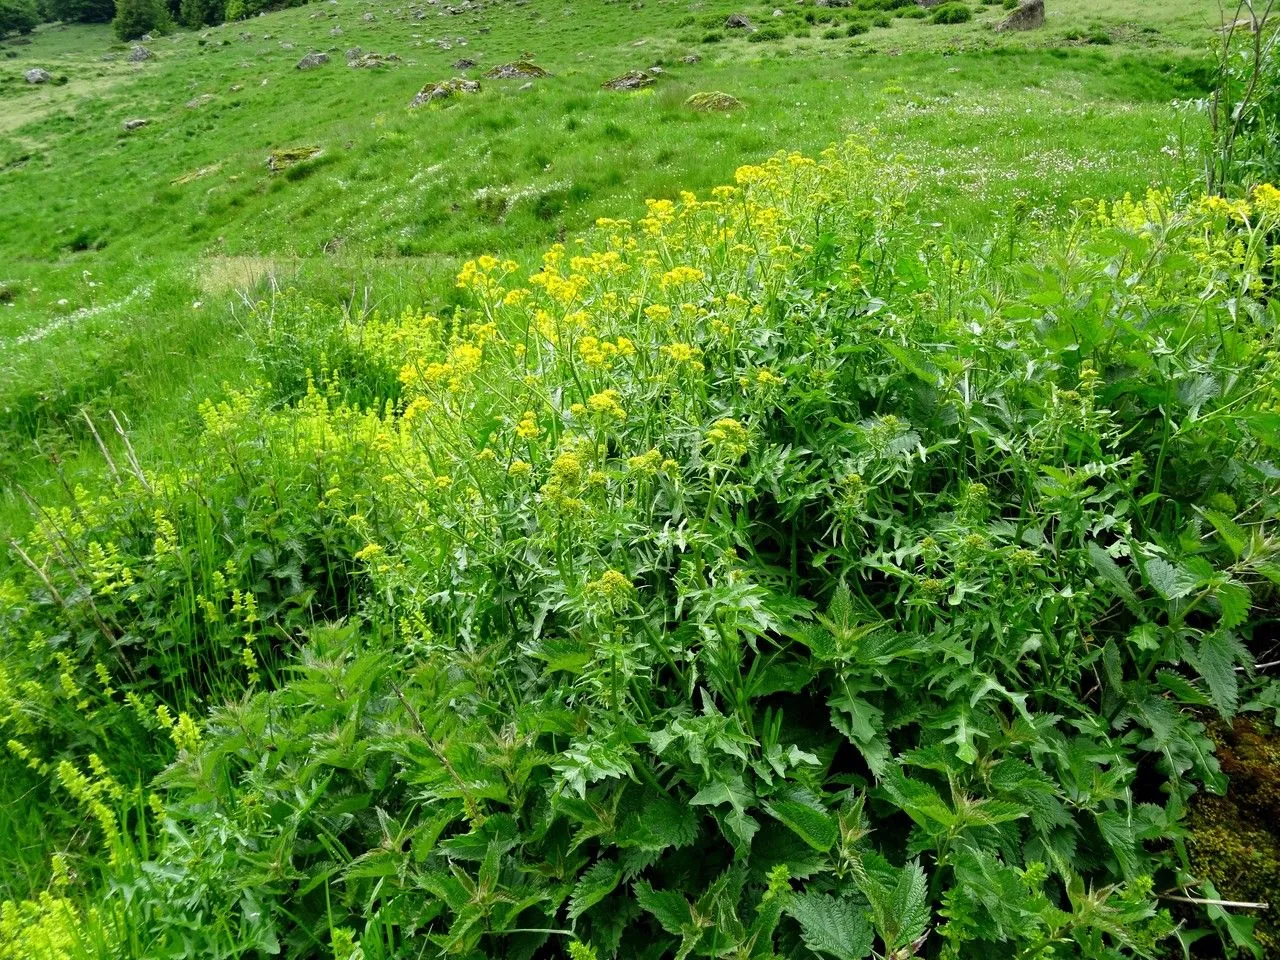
column 1112, row 575
column 668, row 907
column 910, row 905
column 832, row 927
column 1233, row 535
column 1234, row 601
column 599, row 880
column 1215, row 659
column 806, row 817
column 1168, row 581
column 863, row 725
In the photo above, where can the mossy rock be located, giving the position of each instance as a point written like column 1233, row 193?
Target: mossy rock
column 444, row 90
column 1235, row 839
column 287, row 157
column 713, row 101
column 516, row 70
column 631, row 80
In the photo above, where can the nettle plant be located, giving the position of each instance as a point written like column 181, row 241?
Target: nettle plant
column 763, row 577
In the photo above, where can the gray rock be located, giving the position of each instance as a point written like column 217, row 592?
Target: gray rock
column 196, row 103
column 368, row 18
column 136, row 123
column 312, row 60
column 37, row 75
column 1028, row 16
column 632, row 80
column 444, row 90
column 463, row 63
column 335, row 32
column 139, row 53
column 736, row 21
column 691, row 58
column 527, row 86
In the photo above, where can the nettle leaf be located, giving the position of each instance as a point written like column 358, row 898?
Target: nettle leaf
column 600, row 880
column 668, row 907
column 833, row 927
column 1234, row 601
column 735, row 793
column 918, row 800
column 1168, row 581
column 910, row 905
column 1232, row 534
column 1112, row 575
column 1215, row 658
column 804, row 813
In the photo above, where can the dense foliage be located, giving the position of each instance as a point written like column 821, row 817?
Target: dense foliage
column 767, row 576
column 18, row 16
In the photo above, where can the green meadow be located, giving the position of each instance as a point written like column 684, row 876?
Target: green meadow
column 818, row 500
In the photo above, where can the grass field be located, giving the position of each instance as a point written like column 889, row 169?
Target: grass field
column 106, row 253
column 558, row 521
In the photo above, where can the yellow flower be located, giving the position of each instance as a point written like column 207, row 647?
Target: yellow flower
column 607, row 403
column 527, row 428
column 728, row 438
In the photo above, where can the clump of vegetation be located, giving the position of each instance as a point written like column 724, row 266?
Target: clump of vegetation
column 18, row 16
column 950, row 13
column 767, row 574
column 713, row 100
column 134, row 18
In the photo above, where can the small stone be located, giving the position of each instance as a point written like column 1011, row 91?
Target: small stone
column 196, row 103
column 237, row 87
column 139, row 53
column 136, row 124
column 527, row 86
column 368, row 18
column 777, row 13
column 691, row 58
column 312, row 60
column 736, row 21
column 37, row 75
column 463, row 63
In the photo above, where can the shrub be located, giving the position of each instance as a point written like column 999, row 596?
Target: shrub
column 856, row 27
column 911, row 13
column 882, row 20
column 199, row 13
column 951, row 13
column 137, row 17
column 712, row 37
column 18, row 16
column 765, row 34
column 800, row 594
column 82, row 11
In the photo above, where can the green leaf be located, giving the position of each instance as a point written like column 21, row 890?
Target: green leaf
column 1112, row 575
column 1234, row 601
column 599, row 880
column 863, row 725
column 1233, row 535
column 805, row 815
column 918, row 800
column 1168, row 581
column 910, row 906
column 668, row 907
column 835, row 928
column 1215, row 659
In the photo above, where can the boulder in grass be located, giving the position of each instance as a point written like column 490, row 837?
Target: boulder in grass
column 139, row 53
column 691, row 58
column 286, row 157
column 371, row 60
column 631, row 80
column 737, row 21
column 135, row 124
column 444, row 90
column 463, row 63
column 516, row 70
column 37, row 75
column 1028, row 16
column 195, row 103
column 713, row 101
column 313, row 60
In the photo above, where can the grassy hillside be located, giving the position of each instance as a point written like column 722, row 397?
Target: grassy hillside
column 113, row 238
column 559, row 521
